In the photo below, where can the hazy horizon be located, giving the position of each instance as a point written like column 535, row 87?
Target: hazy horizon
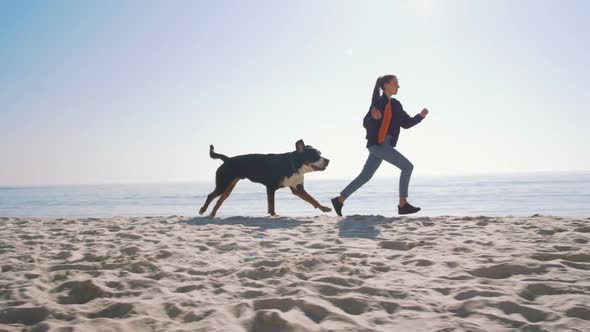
column 134, row 92
column 313, row 178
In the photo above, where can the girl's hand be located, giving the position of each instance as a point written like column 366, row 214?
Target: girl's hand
column 375, row 113
column 424, row 113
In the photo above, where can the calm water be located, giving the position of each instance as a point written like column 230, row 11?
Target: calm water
column 495, row 195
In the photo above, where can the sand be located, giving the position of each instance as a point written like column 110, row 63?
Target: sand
column 357, row 273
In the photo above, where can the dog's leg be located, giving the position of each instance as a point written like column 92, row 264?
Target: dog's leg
column 210, row 198
column 222, row 181
column 301, row 193
column 270, row 195
column 225, row 194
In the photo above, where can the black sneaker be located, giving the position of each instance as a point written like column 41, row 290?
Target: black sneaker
column 407, row 209
column 337, row 206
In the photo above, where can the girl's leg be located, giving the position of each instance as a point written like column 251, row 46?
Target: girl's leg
column 371, row 166
column 394, row 157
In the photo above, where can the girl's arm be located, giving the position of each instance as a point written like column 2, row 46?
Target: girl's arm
column 409, row 122
column 375, row 114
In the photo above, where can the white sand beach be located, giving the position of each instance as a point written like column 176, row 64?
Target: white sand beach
column 357, row 273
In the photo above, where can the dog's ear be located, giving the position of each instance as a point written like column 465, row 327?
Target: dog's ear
column 299, row 146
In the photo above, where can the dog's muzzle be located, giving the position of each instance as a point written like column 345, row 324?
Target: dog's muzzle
column 320, row 165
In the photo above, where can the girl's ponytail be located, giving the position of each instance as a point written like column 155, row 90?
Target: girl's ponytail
column 376, row 91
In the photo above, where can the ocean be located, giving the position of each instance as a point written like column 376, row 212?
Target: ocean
column 559, row 194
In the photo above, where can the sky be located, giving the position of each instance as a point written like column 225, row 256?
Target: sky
column 98, row 92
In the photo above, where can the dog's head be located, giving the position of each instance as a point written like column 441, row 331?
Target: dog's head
column 312, row 158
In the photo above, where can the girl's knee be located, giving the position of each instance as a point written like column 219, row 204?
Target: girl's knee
column 409, row 167
column 364, row 177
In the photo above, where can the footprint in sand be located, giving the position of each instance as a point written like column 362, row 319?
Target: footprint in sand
column 580, row 312
column 188, row 288
column 401, row 245
column 252, row 294
column 308, row 264
column 565, row 248
column 141, row 267
column 318, row 245
column 503, row 271
column 578, row 266
column 585, row 229
column 572, row 257
column 79, row 292
column 531, row 314
column 476, row 293
column 129, row 236
column 313, row 311
column 330, row 290
column 31, row 237
column 532, row 291
column 262, row 273
column 196, row 317
column 546, row 232
column 267, row 263
column 172, row 310
column 345, row 282
column 25, row 316
column 419, row 262
column 162, row 254
column 130, row 251
column 116, row 310
column 80, row 267
column 350, row 305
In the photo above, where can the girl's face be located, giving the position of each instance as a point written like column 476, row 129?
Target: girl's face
column 391, row 87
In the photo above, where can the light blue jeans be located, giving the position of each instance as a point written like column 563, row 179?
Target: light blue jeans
column 378, row 153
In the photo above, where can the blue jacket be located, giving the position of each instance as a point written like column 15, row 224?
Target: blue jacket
column 399, row 119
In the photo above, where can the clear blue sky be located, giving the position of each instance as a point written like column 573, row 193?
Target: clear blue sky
column 128, row 91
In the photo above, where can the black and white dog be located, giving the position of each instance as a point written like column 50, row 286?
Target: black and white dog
column 272, row 170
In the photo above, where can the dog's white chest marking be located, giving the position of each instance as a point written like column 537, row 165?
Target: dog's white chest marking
column 292, row 181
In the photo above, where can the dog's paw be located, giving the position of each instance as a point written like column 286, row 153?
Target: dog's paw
column 325, row 209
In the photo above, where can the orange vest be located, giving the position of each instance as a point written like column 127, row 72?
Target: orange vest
column 385, row 123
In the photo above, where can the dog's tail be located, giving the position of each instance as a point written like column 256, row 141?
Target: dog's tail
column 215, row 155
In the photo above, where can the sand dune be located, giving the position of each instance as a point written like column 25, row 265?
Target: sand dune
column 358, row 273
